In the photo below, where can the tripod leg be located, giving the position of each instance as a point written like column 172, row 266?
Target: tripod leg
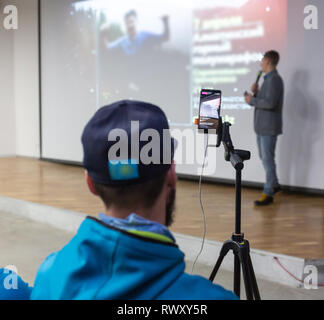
column 253, row 280
column 237, row 275
column 215, row 270
column 225, row 248
column 246, row 275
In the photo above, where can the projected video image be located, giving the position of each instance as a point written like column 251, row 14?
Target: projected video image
column 165, row 52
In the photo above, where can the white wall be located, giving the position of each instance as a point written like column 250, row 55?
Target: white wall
column 26, row 82
column 7, row 109
column 19, row 83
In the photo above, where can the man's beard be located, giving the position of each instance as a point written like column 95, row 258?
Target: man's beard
column 169, row 210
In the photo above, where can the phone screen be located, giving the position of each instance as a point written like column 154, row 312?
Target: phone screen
column 209, row 109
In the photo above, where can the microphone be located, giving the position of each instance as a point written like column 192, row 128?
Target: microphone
column 258, row 77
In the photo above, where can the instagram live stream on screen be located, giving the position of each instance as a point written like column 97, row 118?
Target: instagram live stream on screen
column 209, row 110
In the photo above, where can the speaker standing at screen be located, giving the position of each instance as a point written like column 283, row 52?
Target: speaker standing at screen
column 268, row 103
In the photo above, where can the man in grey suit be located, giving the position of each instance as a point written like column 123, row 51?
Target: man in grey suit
column 268, row 103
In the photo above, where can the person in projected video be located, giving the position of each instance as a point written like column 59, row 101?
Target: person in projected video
column 132, row 58
column 136, row 41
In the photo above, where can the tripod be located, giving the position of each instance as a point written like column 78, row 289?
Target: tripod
column 237, row 243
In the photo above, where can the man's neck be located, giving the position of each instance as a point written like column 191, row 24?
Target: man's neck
column 155, row 213
column 270, row 70
column 132, row 36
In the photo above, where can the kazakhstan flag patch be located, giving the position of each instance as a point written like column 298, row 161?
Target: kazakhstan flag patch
column 123, row 169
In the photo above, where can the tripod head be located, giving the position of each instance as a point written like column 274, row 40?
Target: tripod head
column 235, row 156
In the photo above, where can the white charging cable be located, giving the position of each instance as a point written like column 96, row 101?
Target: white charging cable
column 202, row 208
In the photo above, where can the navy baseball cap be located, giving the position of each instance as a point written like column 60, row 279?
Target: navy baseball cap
column 127, row 142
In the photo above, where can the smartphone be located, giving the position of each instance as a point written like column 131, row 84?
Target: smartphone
column 209, row 109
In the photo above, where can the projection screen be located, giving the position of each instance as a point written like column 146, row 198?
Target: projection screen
column 88, row 61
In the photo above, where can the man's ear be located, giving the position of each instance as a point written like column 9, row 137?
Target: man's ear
column 90, row 184
column 171, row 179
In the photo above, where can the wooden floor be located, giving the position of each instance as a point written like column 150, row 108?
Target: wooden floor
column 293, row 225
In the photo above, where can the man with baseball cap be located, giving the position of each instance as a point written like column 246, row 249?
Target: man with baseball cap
column 128, row 251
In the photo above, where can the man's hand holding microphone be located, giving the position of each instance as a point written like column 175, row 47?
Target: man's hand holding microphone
column 254, row 89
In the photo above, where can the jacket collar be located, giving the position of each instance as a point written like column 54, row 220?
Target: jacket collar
column 270, row 74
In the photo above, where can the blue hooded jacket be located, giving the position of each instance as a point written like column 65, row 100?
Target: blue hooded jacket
column 103, row 262
column 19, row 291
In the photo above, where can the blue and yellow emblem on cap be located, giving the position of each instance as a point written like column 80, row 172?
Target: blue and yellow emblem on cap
column 123, row 169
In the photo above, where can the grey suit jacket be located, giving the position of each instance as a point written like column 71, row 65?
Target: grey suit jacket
column 268, row 105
